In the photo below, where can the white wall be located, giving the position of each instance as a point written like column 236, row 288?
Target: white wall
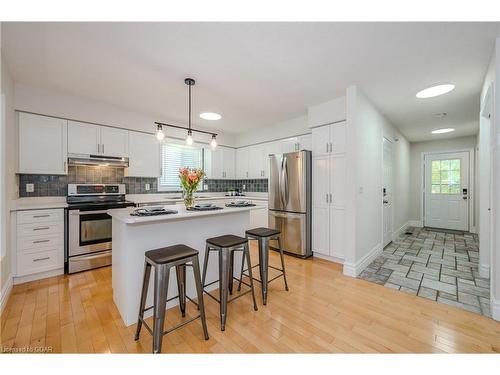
column 484, row 170
column 280, row 130
column 416, row 150
column 495, row 255
column 9, row 186
column 366, row 127
column 66, row 105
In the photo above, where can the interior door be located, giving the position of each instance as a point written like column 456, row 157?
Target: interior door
column 446, row 191
column 387, row 192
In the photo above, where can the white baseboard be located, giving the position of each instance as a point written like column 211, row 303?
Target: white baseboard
column 473, row 230
column 397, row 233
column 484, row 271
column 354, row 269
column 333, row 259
column 495, row 309
column 38, row 276
column 415, row 223
column 6, row 290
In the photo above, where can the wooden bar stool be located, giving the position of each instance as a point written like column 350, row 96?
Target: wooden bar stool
column 263, row 236
column 226, row 246
column 162, row 260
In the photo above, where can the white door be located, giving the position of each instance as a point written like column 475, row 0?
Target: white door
column 114, row 142
column 337, row 205
column 83, row 138
column 387, row 193
column 446, row 181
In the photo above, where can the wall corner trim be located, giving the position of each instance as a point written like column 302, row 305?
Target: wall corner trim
column 495, row 309
column 354, row 269
column 6, row 291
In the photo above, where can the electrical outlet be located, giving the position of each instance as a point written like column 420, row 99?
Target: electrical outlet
column 30, row 188
column 147, row 187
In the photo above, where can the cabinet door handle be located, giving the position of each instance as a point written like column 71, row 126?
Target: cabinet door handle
column 327, row 149
column 41, row 228
column 103, row 148
column 65, row 167
column 326, row 197
column 331, row 147
column 330, row 197
column 37, row 216
column 41, row 241
column 40, row 259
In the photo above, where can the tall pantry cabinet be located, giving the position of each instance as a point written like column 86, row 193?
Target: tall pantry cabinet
column 329, row 180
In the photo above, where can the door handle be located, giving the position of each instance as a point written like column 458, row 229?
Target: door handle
column 465, row 198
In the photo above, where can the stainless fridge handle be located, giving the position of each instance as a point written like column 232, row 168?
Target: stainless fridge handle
column 286, row 190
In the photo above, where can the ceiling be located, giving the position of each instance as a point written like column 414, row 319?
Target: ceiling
column 257, row 74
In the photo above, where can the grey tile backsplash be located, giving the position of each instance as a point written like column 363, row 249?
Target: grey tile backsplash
column 49, row 185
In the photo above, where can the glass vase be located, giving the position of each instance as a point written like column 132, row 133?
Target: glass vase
column 188, row 199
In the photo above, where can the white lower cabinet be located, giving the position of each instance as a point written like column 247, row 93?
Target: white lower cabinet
column 40, row 242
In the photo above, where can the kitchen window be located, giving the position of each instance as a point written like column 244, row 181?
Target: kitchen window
column 173, row 157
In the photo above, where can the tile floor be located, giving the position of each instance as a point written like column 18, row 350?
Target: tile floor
column 434, row 264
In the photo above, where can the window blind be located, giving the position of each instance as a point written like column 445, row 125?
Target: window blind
column 176, row 156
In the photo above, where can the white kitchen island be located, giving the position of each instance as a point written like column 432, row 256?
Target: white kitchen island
column 133, row 236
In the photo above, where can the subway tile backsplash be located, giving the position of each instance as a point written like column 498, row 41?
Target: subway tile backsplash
column 49, row 185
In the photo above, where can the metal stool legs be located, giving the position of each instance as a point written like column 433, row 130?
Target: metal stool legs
column 144, row 294
column 263, row 265
column 162, row 274
column 161, row 280
column 225, row 281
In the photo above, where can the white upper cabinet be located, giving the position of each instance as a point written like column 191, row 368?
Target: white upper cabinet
column 257, row 161
column 228, row 162
column 220, row 163
column 92, row 139
column 144, row 154
column 242, row 155
column 304, row 142
column 114, row 142
column 43, row 147
column 329, row 139
column 288, row 145
column 83, row 138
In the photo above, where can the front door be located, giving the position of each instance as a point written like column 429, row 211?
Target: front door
column 446, row 191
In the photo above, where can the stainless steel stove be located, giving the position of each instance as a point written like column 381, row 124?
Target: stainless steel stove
column 89, row 225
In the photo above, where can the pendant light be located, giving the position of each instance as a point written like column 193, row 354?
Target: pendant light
column 189, row 139
column 160, row 135
column 213, row 142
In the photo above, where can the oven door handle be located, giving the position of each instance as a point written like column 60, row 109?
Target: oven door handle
column 81, row 213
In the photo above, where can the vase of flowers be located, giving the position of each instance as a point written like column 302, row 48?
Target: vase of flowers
column 190, row 180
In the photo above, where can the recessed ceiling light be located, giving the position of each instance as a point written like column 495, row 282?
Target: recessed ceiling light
column 442, row 131
column 210, row 116
column 433, row 91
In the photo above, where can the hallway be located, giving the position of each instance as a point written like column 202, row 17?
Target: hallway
column 435, row 264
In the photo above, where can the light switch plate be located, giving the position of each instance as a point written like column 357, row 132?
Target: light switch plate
column 30, row 188
column 147, row 187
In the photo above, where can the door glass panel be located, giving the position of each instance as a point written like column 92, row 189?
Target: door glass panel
column 445, row 177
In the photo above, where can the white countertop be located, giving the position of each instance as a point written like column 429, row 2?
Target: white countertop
column 38, row 203
column 170, row 197
column 123, row 214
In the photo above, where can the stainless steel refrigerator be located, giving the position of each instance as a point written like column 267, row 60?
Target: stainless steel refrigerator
column 290, row 200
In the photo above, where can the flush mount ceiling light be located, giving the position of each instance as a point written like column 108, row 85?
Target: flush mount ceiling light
column 433, row 91
column 442, row 131
column 189, row 138
column 212, row 116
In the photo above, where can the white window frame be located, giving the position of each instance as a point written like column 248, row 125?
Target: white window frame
column 167, row 141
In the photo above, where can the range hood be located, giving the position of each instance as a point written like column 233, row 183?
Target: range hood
column 101, row 160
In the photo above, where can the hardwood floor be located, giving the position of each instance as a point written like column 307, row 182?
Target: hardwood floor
column 324, row 311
